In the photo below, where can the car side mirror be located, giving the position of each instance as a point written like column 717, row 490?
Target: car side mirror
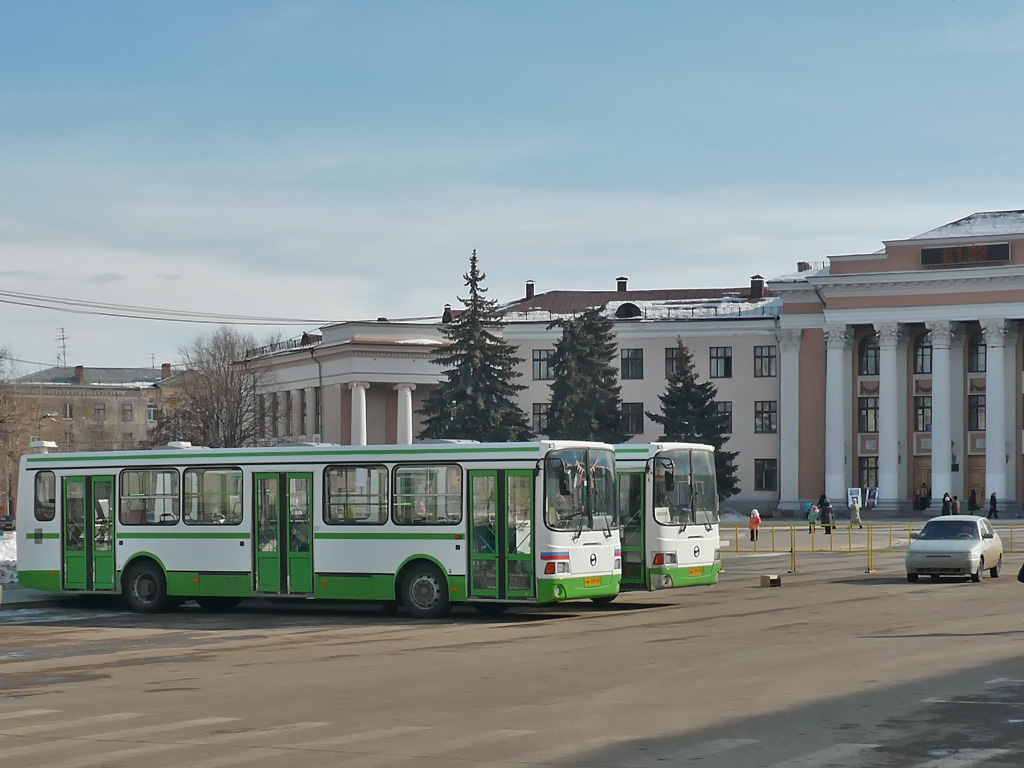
column 987, row 536
column 914, row 535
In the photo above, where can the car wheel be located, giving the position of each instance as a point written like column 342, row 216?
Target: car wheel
column 911, row 577
column 934, row 577
column 994, row 571
column 976, row 576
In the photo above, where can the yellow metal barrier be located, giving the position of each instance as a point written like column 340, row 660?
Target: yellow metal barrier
column 794, row 538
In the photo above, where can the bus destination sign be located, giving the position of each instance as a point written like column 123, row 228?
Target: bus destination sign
column 964, row 254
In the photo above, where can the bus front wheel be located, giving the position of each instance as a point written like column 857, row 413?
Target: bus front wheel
column 425, row 593
column 145, row 588
column 604, row 599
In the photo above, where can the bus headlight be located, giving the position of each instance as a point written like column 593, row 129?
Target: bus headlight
column 664, row 558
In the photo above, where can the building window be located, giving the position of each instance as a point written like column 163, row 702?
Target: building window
column 303, row 427
column 633, row 418
column 542, row 365
column 151, row 412
column 766, row 416
column 766, row 474
column 318, row 410
column 976, row 354
column 261, row 416
column 632, row 363
column 721, row 362
column 867, row 414
column 275, row 425
column 764, row 362
column 127, row 412
column 976, row 412
column 69, row 411
column 867, row 356
column 922, row 413
column 867, row 471
column 99, row 413
column 288, row 426
column 923, row 353
column 724, row 409
column 672, row 361
column 540, row 418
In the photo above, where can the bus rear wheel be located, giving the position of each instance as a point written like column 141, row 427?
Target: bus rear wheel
column 425, row 593
column 145, row 589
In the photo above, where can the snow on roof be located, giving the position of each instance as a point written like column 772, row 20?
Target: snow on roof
column 984, row 224
column 667, row 309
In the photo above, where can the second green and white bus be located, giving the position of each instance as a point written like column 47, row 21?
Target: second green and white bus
column 668, row 507
column 424, row 526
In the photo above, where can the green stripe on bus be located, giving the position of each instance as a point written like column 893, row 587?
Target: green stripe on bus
column 387, row 535
column 182, row 535
column 39, row 536
column 186, row 456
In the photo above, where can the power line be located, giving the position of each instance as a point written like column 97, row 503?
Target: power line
column 132, row 312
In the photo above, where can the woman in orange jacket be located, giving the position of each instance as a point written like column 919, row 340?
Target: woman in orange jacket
column 754, row 524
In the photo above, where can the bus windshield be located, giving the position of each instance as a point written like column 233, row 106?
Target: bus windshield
column 684, row 488
column 580, row 490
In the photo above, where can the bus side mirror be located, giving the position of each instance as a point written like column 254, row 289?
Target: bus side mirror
column 670, row 481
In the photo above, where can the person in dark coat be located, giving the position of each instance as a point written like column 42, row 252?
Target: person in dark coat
column 972, row 501
column 828, row 517
column 993, row 511
column 947, row 505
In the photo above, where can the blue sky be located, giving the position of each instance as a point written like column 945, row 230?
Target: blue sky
column 340, row 160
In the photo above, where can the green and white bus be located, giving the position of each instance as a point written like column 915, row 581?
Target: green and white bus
column 668, row 504
column 422, row 526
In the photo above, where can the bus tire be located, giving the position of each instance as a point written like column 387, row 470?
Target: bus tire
column 425, row 592
column 604, row 599
column 145, row 589
column 218, row 603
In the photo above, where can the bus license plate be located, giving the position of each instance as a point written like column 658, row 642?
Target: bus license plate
column 697, row 571
column 592, row 581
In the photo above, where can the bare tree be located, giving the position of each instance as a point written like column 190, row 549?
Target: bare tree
column 212, row 401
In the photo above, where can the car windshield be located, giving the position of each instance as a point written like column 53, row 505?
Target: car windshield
column 950, row 529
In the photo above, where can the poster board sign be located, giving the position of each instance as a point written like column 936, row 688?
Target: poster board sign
column 852, row 495
column 873, row 496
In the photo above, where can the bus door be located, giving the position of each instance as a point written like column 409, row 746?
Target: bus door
column 283, row 535
column 631, row 512
column 501, row 534
column 88, row 528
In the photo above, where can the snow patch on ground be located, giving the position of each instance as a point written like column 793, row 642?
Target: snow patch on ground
column 8, row 558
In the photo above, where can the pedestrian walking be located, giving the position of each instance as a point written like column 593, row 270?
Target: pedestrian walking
column 993, row 510
column 812, row 517
column 956, row 505
column 754, row 524
column 828, row 517
column 855, row 514
column 972, row 501
column 947, row 505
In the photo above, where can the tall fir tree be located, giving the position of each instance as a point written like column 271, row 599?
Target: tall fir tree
column 688, row 414
column 475, row 399
column 585, row 393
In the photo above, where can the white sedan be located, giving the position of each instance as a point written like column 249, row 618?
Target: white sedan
column 955, row 545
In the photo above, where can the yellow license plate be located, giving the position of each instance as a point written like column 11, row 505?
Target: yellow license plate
column 592, row 581
column 697, row 571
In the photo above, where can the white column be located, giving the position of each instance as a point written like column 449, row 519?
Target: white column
column 942, row 448
column 789, row 415
column 405, row 413
column 358, row 411
column 838, row 340
column 995, row 408
column 889, row 424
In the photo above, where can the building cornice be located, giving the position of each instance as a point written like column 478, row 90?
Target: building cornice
column 955, row 280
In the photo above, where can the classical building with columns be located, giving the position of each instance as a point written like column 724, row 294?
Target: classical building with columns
column 898, row 370
column 901, row 369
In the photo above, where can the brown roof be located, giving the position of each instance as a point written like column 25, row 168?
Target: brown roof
column 572, row 302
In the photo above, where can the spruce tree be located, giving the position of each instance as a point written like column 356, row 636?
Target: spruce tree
column 475, row 399
column 585, row 393
column 688, row 414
